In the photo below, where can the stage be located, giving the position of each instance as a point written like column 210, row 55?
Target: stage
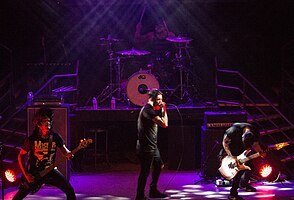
column 120, row 181
column 121, row 124
column 182, row 151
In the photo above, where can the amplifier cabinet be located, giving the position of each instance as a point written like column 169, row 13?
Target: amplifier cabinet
column 211, row 144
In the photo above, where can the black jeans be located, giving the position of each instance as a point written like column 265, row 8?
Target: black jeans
column 148, row 159
column 242, row 178
column 54, row 178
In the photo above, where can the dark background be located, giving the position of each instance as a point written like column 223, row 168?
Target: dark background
column 252, row 36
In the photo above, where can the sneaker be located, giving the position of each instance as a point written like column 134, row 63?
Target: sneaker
column 235, row 197
column 156, row 194
column 248, row 188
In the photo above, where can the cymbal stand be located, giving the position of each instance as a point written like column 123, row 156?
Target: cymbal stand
column 118, row 78
column 114, row 76
column 180, row 65
column 106, row 91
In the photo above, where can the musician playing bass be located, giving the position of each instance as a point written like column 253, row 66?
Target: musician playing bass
column 238, row 138
column 41, row 147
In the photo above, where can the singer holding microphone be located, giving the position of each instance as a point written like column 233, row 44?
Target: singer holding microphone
column 152, row 115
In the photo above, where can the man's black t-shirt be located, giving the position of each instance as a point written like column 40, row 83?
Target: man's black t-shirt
column 37, row 147
column 235, row 133
column 147, row 129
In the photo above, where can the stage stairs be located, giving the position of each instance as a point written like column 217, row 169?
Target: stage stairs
column 13, row 118
column 235, row 90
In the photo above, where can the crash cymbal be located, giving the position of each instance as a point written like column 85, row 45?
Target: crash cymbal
column 133, row 52
column 179, row 39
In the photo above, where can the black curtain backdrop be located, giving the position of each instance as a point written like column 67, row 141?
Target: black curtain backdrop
column 253, row 37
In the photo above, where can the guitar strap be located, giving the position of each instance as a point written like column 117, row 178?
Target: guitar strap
column 50, row 144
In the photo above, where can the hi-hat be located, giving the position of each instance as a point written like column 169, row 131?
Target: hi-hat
column 179, row 39
column 133, row 52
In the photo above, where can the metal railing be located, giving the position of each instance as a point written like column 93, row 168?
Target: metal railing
column 54, row 77
column 250, row 100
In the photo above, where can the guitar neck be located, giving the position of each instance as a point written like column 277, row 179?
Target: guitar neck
column 51, row 167
column 256, row 155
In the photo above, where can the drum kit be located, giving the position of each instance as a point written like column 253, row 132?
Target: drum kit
column 140, row 82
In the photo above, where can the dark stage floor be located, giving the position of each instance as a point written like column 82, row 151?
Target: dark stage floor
column 120, row 180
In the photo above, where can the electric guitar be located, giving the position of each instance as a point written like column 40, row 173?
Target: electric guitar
column 37, row 183
column 229, row 167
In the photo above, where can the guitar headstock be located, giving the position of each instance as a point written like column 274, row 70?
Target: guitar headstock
column 84, row 143
column 281, row 145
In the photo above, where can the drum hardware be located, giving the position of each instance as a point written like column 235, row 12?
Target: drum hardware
column 109, row 40
column 133, row 52
column 113, row 89
column 179, row 39
column 182, row 45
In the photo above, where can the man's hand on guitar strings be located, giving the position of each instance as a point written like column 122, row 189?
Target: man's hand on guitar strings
column 262, row 154
column 237, row 161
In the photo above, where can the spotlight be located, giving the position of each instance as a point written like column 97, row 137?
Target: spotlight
column 268, row 172
column 10, row 175
column 265, row 170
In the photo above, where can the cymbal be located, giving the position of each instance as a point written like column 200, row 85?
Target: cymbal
column 179, row 39
column 133, row 52
column 109, row 38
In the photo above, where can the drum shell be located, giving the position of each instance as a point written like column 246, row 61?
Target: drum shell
column 138, row 86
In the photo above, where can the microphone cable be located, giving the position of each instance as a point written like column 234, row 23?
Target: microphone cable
column 183, row 145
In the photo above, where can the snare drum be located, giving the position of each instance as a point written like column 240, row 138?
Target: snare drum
column 138, row 86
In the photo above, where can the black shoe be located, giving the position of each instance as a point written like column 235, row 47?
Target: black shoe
column 156, row 194
column 248, row 188
column 141, row 198
column 235, row 197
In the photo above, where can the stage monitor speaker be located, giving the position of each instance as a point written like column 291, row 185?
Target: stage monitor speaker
column 211, row 144
column 59, row 125
column 182, row 146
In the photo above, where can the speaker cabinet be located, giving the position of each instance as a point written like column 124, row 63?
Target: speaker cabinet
column 211, row 144
column 60, row 125
column 182, row 147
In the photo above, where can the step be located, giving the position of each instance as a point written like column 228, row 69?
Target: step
column 19, row 133
column 287, row 159
column 228, row 103
column 276, row 130
column 12, row 146
column 18, row 119
column 264, row 118
column 8, row 161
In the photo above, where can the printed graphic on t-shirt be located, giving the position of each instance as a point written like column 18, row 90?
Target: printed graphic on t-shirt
column 41, row 152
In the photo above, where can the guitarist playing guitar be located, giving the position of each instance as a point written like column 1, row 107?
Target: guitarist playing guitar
column 238, row 138
column 41, row 147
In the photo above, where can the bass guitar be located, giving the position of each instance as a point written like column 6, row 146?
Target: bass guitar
column 38, row 177
column 229, row 166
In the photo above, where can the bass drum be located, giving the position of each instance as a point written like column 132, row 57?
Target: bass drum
column 138, row 86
